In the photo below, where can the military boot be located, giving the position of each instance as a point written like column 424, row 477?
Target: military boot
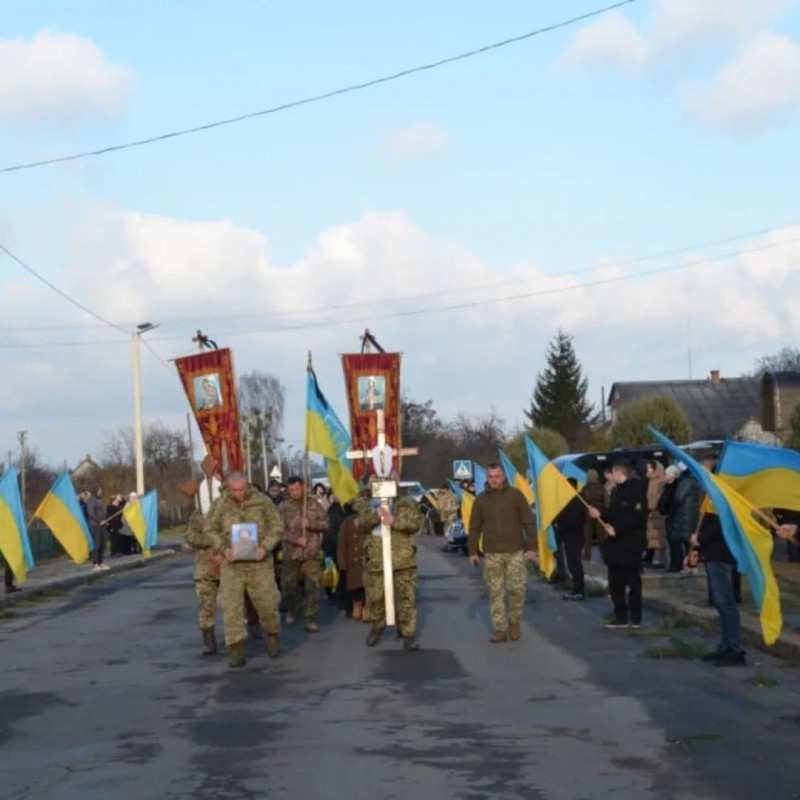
column 273, row 645
column 514, row 631
column 209, row 642
column 499, row 637
column 236, row 654
column 374, row 635
column 410, row 643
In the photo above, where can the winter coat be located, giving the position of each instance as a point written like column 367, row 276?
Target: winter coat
column 407, row 522
column 713, row 547
column 206, row 567
column 350, row 554
column 656, row 529
column 291, row 513
column 686, row 507
column 627, row 514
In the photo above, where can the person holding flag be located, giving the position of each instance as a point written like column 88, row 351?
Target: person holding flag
column 625, row 522
column 501, row 515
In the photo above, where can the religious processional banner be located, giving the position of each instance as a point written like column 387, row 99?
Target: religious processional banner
column 372, row 381
column 209, row 381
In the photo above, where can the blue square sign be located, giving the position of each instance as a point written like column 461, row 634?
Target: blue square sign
column 462, row 470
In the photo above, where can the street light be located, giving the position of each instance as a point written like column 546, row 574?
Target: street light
column 137, row 404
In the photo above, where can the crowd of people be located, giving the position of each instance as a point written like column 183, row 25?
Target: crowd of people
column 111, row 534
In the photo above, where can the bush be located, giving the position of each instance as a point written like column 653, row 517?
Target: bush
column 550, row 442
column 665, row 415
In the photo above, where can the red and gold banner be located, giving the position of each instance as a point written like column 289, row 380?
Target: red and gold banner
column 210, row 384
column 372, row 381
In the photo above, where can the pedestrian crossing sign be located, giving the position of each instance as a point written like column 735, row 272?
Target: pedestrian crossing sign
column 462, row 470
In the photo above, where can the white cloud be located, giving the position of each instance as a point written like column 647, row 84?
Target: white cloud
column 747, row 93
column 612, row 40
column 58, row 75
column 413, row 142
column 682, row 23
column 218, row 276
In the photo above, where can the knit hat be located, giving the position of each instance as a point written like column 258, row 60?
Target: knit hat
column 672, row 471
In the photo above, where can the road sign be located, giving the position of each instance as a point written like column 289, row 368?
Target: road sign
column 462, row 470
column 275, row 473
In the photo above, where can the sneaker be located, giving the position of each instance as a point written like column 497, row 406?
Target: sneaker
column 635, row 626
column 290, row 619
column 96, row 567
column 104, row 566
column 731, row 658
column 578, row 596
column 613, row 624
column 312, row 627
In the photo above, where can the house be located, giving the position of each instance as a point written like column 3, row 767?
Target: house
column 780, row 396
column 86, row 471
column 716, row 407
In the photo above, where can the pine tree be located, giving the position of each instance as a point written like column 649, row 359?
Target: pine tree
column 559, row 399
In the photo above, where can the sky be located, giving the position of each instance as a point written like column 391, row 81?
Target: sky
column 631, row 179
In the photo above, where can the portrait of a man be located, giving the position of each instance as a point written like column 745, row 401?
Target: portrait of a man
column 372, row 393
column 207, row 392
column 244, row 541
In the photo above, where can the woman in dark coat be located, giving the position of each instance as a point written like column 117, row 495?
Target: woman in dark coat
column 350, row 560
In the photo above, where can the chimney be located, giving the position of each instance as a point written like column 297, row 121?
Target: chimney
column 715, row 377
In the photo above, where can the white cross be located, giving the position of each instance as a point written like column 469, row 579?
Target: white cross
column 382, row 458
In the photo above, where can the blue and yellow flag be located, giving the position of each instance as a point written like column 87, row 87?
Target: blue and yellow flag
column 142, row 517
column 479, row 477
column 61, row 512
column 749, row 542
column 553, row 492
column 768, row 477
column 571, row 470
column 466, row 500
column 515, row 479
column 15, row 546
column 326, row 436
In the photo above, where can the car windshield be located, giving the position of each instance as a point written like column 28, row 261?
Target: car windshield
column 411, row 489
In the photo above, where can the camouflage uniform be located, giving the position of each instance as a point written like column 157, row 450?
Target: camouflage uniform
column 206, row 571
column 506, row 576
column 447, row 505
column 302, row 562
column 408, row 520
column 257, row 578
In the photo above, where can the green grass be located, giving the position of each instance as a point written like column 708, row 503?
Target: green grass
column 6, row 613
column 677, row 648
column 596, row 591
column 761, row 681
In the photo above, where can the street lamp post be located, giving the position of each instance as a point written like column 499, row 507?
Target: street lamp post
column 137, row 405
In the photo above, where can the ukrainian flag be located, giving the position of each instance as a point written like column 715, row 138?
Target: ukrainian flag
column 749, row 542
column 768, row 477
column 142, row 517
column 553, row 492
column 571, row 470
column 515, row 479
column 326, row 435
column 14, row 543
column 61, row 512
column 479, row 477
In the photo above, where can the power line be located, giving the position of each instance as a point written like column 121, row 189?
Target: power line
column 450, row 291
column 453, row 306
column 325, row 96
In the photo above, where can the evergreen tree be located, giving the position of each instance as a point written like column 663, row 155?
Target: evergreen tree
column 559, row 399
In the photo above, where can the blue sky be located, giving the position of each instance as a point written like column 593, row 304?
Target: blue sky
column 657, row 127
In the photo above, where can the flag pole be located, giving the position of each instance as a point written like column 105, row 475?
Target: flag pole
column 306, row 469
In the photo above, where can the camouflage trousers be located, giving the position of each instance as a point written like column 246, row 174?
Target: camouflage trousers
column 258, row 580
column 292, row 574
column 207, row 595
column 405, row 599
column 506, row 576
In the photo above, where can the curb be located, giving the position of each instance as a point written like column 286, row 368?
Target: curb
column 84, row 578
column 788, row 646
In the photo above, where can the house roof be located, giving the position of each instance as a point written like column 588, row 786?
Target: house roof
column 715, row 409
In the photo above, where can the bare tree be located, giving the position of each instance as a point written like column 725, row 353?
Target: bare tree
column 262, row 399
column 787, row 359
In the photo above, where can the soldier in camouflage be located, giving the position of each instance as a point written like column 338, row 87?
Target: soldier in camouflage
column 206, row 572
column 304, row 522
column 238, row 503
column 405, row 523
column 447, row 504
column 503, row 517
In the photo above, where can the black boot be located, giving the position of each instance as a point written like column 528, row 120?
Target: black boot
column 375, row 634
column 410, row 643
column 209, row 642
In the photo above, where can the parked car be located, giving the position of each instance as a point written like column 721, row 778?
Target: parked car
column 455, row 538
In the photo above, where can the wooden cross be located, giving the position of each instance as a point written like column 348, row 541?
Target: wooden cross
column 385, row 489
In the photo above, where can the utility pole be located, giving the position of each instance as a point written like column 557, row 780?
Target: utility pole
column 247, row 450
column 137, row 405
column 23, row 452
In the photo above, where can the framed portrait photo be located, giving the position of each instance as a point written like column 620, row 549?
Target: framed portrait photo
column 244, row 541
column 207, row 392
column 372, row 392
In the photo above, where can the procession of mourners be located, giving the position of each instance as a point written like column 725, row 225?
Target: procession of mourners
column 265, row 557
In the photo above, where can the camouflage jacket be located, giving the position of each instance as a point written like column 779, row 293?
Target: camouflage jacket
column 205, row 569
column 447, row 504
column 407, row 522
column 291, row 512
column 256, row 507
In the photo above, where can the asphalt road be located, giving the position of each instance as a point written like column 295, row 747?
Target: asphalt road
column 103, row 694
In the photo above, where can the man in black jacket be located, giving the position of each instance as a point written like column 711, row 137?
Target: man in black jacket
column 569, row 526
column 625, row 521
